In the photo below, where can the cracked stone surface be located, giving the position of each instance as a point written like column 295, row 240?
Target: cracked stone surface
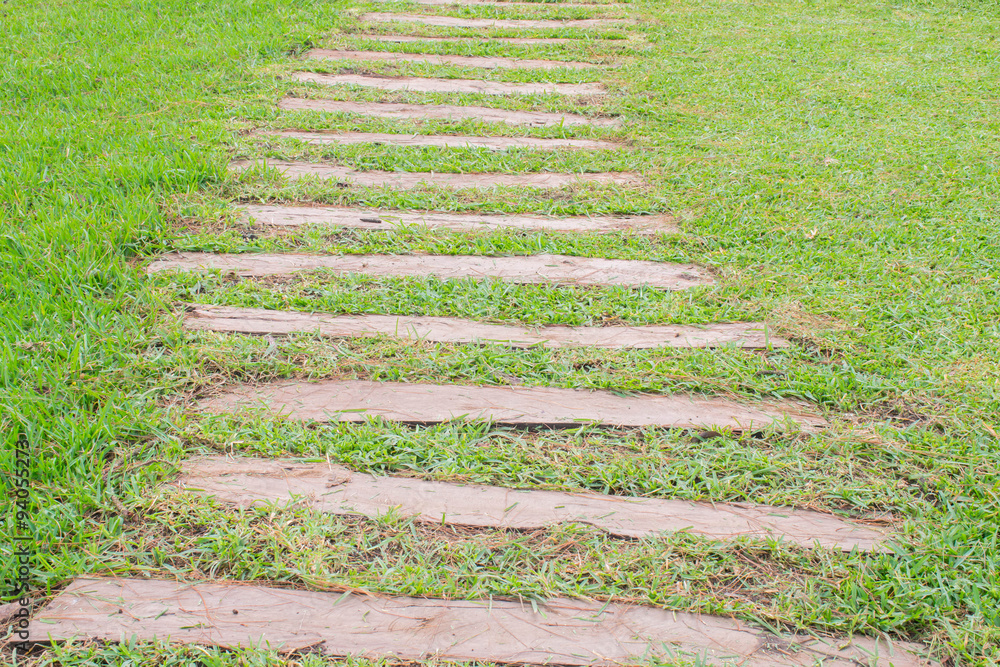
column 336, row 490
column 259, row 321
column 445, row 112
column 556, row 631
column 435, row 59
column 361, row 218
column 419, row 84
column 408, row 180
column 423, row 403
column 454, row 22
column 527, row 269
column 443, row 140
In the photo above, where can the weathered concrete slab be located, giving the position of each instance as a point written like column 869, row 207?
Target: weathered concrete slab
column 337, row 490
column 558, row 631
column 361, row 218
column 445, row 141
column 527, row 269
column 455, row 22
column 357, row 401
column 445, row 112
column 416, row 84
column 537, row 41
column 409, row 180
column 451, row 330
column 434, row 59
column 519, row 5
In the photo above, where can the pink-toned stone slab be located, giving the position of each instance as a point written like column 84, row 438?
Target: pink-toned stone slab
column 444, row 141
column 434, row 59
column 554, row 632
column 361, row 218
column 357, row 401
column 451, row 330
column 415, row 84
column 409, row 180
column 336, row 490
column 501, row 4
column 8, row 611
column 445, row 112
column 455, row 22
column 537, row 41
column 526, row 269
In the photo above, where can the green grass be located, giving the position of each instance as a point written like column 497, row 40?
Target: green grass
column 834, row 163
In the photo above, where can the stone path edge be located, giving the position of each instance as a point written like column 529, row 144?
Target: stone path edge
column 261, row 322
column 411, row 180
column 246, row 482
column 523, row 269
column 417, row 84
column 334, row 401
column 494, row 143
column 445, row 112
column 376, row 219
column 555, row 631
column 444, row 59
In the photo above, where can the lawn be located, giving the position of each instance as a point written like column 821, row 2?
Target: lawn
column 835, row 164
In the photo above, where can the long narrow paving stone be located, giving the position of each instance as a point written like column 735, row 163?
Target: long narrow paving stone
column 444, row 140
column 528, row 269
column 416, row 84
column 362, row 218
column 357, row 400
column 445, row 112
column 451, row 330
column 558, row 631
column 337, row 490
column 502, row 3
column 455, row 22
column 537, row 41
column 409, row 180
column 434, row 59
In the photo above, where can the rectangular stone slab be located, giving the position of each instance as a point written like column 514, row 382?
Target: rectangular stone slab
column 416, row 84
column 452, row 330
column 540, row 41
column 526, row 269
column 361, row 218
column 434, row 59
column 557, row 631
column 445, row 112
column 519, row 5
column 409, row 180
column 413, row 403
column 445, row 141
column 455, row 22
column 337, row 490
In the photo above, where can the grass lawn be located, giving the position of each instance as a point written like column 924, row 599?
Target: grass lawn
column 835, row 164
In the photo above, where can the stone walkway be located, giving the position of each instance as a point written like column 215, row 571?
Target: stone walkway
column 561, row 632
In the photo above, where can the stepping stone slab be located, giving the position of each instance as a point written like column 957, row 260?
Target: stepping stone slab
column 455, row 22
column 359, row 218
column 403, row 39
column 557, row 631
column 408, row 181
column 416, row 84
column 525, row 269
column 493, row 3
column 433, row 59
column 445, row 112
column 445, row 141
column 357, row 401
column 451, row 330
column 337, row 490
